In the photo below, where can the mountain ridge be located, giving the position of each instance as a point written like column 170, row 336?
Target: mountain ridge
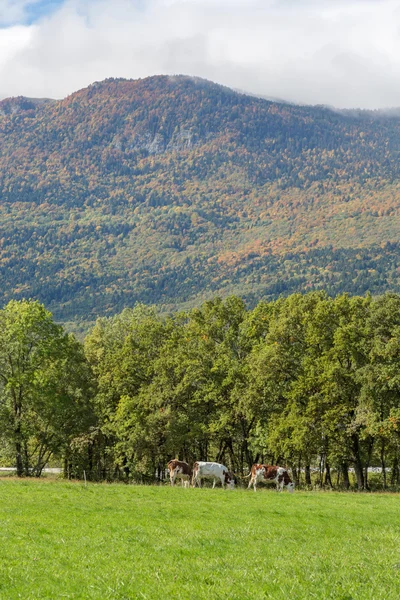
column 171, row 189
column 388, row 112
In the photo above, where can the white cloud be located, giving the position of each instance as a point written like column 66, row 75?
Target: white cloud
column 343, row 53
column 12, row 11
column 12, row 41
column 16, row 11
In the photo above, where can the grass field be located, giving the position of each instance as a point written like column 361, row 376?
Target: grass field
column 64, row 540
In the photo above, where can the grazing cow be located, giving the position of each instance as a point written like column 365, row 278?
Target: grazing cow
column 268, row 473
column 212, row 470
column 179, row 470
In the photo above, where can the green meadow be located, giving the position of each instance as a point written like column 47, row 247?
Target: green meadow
column 65, row 540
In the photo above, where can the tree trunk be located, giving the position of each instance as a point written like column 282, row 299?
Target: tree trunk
column 221, row 451
column 18, row 444
column 294, row 474
column 368, row 462
column 395, row 472
column 321, row 470
column 90, row 459
column 345, row 473
column 67, row 464
column 203, row 451
column 358, row 466
column 26, row 459
column 125, row 467
column 18, row 459
column 359, row 475
column 308, row 475
column 248, row 455
column 233, row 461
column 383, row 465
column 246, row 428
column 328, row 480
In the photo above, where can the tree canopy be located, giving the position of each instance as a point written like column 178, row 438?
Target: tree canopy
column 308, row 381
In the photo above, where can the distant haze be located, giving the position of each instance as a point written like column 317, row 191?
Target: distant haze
column 344, row 53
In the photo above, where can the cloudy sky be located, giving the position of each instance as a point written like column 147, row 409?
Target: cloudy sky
column 344, row 53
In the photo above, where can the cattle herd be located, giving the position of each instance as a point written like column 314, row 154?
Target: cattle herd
column 215, row 471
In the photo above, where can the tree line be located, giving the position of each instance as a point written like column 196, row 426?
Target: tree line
column 308, row 381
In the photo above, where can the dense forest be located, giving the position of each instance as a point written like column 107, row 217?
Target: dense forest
column 308, row 381
column 170, row 190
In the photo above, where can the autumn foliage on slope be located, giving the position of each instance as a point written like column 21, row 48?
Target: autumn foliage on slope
column 169, row 189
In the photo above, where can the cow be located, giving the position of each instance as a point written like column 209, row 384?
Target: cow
column 279, row 475
column 179, row 470
column 212, row 470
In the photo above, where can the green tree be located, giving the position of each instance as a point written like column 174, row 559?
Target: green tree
column 44, row 385
column 122, row 351
column 380, row 381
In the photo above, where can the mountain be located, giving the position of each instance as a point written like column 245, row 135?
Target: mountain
column 167, row 190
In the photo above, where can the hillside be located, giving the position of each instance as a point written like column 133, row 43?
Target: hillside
column 168, row 190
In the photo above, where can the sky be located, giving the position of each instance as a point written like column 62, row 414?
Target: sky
column 342, row 53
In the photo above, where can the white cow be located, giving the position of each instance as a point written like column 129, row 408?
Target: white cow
column 212, row 470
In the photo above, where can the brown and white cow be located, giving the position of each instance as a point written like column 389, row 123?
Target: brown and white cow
column 266, row 473
column 212, row 470
column 179, row 470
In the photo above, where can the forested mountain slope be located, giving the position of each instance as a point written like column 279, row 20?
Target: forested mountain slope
column 168, row 190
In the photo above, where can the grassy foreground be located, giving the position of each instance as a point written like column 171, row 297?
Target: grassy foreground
column 62, row 540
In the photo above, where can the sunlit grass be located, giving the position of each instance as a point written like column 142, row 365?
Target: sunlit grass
column 62, row 540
